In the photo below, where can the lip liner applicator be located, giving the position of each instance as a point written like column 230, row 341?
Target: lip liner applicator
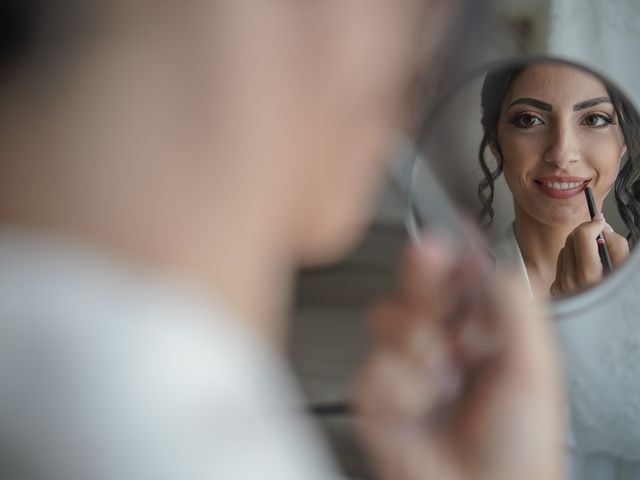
column 602, row 245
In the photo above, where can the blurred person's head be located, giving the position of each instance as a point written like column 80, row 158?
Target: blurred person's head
column 161, row 129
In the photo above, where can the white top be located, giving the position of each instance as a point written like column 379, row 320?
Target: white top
column 111, row 374
column 508, row 255
column 606, row 458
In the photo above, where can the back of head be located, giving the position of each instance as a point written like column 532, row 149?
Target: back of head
column 281, row 107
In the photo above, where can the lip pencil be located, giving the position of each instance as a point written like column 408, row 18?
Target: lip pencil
column 603, row 251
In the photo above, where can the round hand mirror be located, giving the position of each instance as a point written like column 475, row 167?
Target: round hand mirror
column 517, row 147
column 544, row 155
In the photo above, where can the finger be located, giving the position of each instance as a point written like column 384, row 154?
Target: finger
column 384, row 415
column 391, row 389
column 422, row 272
column 617, row 245
column 592, row 228
column 409, row 333
column 528, row 338
column 520, row 394
column 569, row 277
column 394, row 397
column 423, row 269
column 530, row 359
column 388, row 322
column 588, row 268
column 558, row 287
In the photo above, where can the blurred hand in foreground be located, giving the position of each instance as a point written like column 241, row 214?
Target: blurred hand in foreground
column 463, row 381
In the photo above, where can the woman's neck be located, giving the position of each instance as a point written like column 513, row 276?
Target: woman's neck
column 540, row 245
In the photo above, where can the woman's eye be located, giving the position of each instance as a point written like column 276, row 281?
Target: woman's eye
column 597, row 120
column 526, row 120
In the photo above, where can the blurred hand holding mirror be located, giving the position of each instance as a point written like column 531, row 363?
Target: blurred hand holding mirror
column 519, row 146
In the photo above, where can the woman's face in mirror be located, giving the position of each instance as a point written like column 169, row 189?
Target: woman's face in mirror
column 558, row 131
column 554, row 128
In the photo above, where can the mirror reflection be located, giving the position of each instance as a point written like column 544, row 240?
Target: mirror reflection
column 524, row 146
column 521, row 148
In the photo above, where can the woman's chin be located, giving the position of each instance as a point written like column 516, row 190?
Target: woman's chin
column 564, row 216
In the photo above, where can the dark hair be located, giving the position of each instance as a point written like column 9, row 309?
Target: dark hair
column 627, row 187
column 17, row 29
column 39, row 33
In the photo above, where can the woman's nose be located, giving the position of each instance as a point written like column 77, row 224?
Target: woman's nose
column 563, row 149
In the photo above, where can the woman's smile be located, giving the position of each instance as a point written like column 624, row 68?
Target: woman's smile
column 560, row 187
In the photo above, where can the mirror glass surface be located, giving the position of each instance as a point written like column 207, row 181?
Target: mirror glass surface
column 515, row 147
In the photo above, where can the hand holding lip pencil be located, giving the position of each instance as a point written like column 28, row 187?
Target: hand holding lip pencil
column 591, row 251
column 603, row 251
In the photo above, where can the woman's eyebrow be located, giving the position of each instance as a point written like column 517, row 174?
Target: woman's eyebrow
column 532, row 102
column 590, row 103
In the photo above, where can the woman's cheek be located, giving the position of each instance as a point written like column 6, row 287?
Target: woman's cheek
column 523, row 154
column 605, row 157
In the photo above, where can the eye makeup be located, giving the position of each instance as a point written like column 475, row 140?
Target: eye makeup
column 526, row 120
column 600, row 117
column 529, row 119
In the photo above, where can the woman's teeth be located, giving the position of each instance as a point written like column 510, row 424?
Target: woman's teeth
column 563, row 185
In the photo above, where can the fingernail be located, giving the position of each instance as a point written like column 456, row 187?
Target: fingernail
column 608, row 227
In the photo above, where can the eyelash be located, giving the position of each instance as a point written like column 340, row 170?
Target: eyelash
column 606, row 118
column 518, row 118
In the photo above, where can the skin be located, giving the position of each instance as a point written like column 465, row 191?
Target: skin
column 257, row 122
column 225, row 146
column 490, row 409
column 564, row 138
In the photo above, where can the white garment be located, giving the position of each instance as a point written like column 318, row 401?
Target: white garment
column 608, row 461
column 508, row 256
column 109, row 374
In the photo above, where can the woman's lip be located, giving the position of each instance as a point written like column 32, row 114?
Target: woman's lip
column 561, row 190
